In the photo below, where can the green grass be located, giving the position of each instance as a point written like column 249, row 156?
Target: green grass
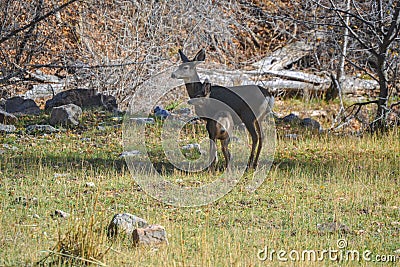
column 315, row 179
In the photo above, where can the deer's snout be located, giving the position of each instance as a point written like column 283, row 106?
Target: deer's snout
column 173, row 75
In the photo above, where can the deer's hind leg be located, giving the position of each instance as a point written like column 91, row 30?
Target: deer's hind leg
column 260, row 137
column 225, row 151
column 254, row 137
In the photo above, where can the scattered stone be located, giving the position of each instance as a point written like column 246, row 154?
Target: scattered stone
column 397, row 251
column 7, row 118
column 60, row 214
column 183, row 111
column 319, row 113
column 21, row 106
column 125, row 223
column 306, row 123
column 7, row 128
column 143, row 120
column 59, row 175
column 161, row 113
column 291, row 118
column 130, row 153
column 101, row 128
column 191, row 147
column 151, row 235
column 36, row 216
column 90, row 184
column 25, row 201
column 36, row 128
column 395, row 224
column 10, row 147
column 67, row 115
column 311, row 124
column 332, row 227
column 292, row 136
column 84, row 98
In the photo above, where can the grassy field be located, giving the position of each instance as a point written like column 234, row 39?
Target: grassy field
column 315, row 179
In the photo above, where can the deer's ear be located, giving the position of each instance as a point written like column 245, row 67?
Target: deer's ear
column 206, row 88
column 183, row 56
column 200, row 56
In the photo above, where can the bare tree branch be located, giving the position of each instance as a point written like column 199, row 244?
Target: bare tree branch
column 35, row 21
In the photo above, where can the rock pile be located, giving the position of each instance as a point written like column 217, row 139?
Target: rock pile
column 136, row 228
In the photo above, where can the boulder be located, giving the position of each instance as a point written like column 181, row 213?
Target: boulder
column 311, row 124
column 84, row 98
column 291, row 118
column 21, row 106
column 125, row 223
column 67, row 115
column 150, row 235
column 7, row 128
column 40, row 129
column 7, row 118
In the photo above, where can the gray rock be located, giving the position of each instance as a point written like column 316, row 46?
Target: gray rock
column 90, row 184
column 21, row 106
column 40, row 129
column 7, row 128
column 10, row 147
column 311, row 124
column 291, row 118
column 67, row 115
column 60, row 214
column 151, row 235
column 26, row 201
column 194, row 146
column 130, row 153
column 332, row 227
column 292, row 136
column 142, row 120
column 125, row 223
column 84, row 98
column 7, row 118
column 183, row 111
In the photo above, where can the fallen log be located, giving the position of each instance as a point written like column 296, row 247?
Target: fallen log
column 284, row 57
column 279, row 85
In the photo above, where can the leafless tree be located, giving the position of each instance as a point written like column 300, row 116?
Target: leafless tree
column 114, row 45
column 365, row 33
column 375, row 26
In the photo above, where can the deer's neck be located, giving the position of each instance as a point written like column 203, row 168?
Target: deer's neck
column 193, row 88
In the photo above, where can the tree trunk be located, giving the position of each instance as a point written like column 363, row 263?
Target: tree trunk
column 380, row 120
column 334, row 91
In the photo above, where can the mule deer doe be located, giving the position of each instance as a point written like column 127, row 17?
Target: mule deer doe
column 220, row 127
column 251, row 103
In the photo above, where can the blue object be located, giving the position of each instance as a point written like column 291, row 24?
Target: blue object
column 161, row 113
